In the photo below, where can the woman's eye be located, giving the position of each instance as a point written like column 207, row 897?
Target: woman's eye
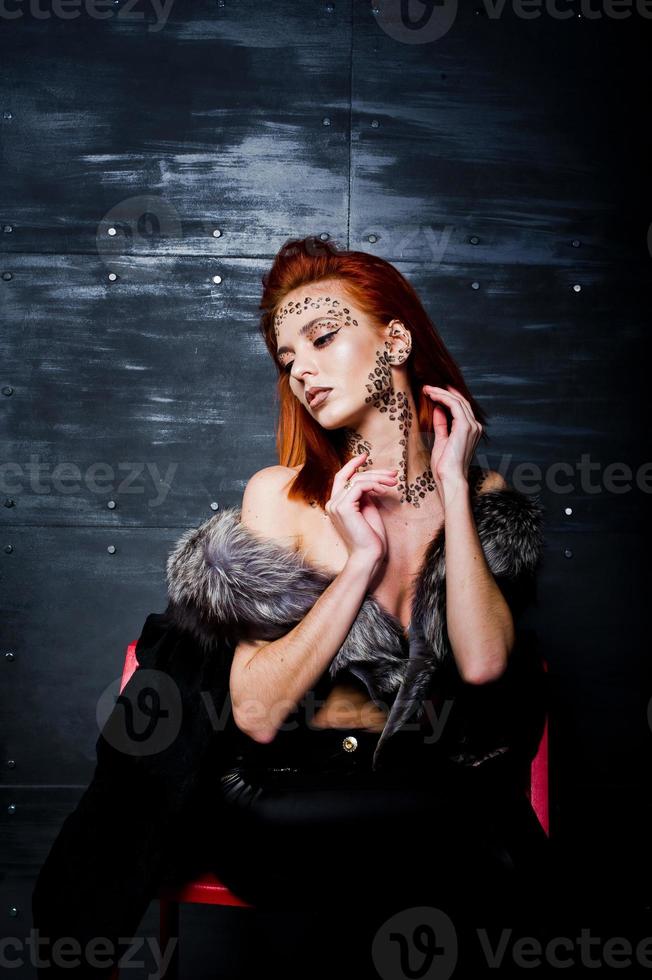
column 325, row 336
column 318, row 343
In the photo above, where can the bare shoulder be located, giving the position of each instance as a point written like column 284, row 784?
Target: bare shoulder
column 266, row 509
column 492, row 480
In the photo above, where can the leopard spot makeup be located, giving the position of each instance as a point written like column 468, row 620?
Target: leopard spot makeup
column 330, row 311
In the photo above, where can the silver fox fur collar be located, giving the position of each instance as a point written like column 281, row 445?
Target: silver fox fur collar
column 226, row 584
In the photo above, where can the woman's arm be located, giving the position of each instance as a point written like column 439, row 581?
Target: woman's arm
column 267, row 684
column 268, row 679
column 478, row 619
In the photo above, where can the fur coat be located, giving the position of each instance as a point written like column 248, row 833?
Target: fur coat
column 167, row 738
column 225, row 583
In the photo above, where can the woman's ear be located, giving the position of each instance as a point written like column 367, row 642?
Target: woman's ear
column 398, row 342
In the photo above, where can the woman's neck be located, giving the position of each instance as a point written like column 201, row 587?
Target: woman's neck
column 389, row 432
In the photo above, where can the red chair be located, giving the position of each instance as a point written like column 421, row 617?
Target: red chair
column 209, row 890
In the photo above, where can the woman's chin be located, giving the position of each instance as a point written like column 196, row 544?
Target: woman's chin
column 330, row 417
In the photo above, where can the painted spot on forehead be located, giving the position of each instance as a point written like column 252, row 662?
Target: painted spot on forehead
column 317, row 303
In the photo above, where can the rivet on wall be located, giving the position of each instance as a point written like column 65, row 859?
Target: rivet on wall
column 7, row 114
column 372, row 238
column 475, row 285
column 217, row 233
column 7, row 276
column 576, row 243
column 577, row 288
column 375, row 124
column 111, row 231
column 9, row 655
column 11, row 808
column 217, row 280
column 568, row 553
column 9, row 502
column 112, row 277
column 11, row 763
column 474, row 239
column 13, row 911
column 111, row 504
column 215, row 505
column 7, row 229
column 324, row 236
column 568, row 511
column 7, row 390
column 111, row 549
column 326, row 121
column 329, row 8
column 8, row 549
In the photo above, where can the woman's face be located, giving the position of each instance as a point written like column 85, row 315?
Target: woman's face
column 325, row 341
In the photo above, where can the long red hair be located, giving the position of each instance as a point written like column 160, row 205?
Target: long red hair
column 380, row 291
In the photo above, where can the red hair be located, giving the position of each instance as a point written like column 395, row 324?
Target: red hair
column 380, row 291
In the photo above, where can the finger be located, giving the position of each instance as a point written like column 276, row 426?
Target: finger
column 384, row 481
column 374, row 475
column 439, row 424
column 465, row 404
column 371, row 473
column 359, row 487
column 439, row 417
column 468, row 411
column 452, row 401
column 378, row 471
column 349, row 468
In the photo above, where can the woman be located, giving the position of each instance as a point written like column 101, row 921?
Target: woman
column 328, row 590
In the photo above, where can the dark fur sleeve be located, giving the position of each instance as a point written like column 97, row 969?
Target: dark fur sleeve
column 504, row 718
column 121, row 840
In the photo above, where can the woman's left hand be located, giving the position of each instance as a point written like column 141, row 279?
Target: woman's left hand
column 452, row 454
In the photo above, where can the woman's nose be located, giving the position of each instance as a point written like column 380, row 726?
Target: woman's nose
column 303, row 365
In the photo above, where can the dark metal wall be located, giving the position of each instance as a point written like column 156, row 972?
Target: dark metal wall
column 152, row 164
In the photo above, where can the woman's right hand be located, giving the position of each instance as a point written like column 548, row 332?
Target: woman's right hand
column 355, row 516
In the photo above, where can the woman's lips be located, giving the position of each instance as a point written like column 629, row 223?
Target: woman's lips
column 320, row 398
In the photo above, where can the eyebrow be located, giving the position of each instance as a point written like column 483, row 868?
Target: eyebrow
column 306, row 327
